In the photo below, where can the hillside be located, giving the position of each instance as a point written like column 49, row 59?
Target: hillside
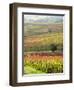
column 37, row 29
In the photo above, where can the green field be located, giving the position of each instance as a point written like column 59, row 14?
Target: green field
column 29, row 70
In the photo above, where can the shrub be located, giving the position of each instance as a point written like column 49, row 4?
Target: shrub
column 53, row 47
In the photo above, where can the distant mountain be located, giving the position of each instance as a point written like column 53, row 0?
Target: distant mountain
column 45, row 20
column 42, row 25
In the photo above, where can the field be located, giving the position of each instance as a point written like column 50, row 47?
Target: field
column 43, row 46
column 43, row 42
column 39, row 56
column 43, row 63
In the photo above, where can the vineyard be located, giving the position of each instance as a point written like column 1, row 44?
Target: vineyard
column 43, row 53
column 43, row 47
column 43, row 42
column 43, row 63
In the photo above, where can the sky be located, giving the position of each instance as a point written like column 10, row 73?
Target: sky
column 38, row 17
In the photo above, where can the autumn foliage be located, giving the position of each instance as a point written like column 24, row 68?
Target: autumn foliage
column 45, row 62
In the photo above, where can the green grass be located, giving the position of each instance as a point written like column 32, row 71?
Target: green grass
column 29, row 70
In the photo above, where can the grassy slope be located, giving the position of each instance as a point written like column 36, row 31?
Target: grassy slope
column 42, row 42
column 31, row 70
